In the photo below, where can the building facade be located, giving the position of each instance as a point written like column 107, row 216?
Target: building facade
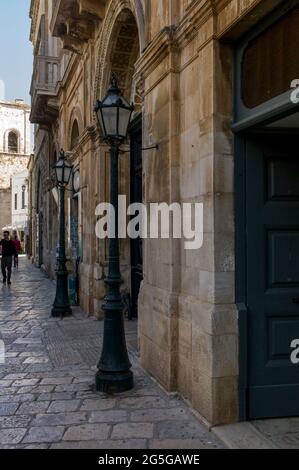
column 14, row 152
column 212, row 84
column 19, row 204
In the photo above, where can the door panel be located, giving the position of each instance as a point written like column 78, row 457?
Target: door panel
column 272, row 168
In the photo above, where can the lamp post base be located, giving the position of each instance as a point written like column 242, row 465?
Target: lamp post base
column 61, row 307
column 114, row 382
column 59, row 312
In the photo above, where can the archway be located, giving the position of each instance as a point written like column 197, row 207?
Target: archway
column 121, row 50
column 125, row 52
column 121, row 42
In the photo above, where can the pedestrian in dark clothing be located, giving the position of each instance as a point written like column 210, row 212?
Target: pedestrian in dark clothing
column 9, row 252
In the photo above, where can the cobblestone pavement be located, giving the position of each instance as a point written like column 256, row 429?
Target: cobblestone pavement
column 47, row 397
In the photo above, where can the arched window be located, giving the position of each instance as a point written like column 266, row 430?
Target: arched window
column 75, row 135
column 13, row 142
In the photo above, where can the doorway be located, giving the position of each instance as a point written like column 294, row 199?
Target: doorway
column 136, row 197
column 40, row 238
column 268, row 267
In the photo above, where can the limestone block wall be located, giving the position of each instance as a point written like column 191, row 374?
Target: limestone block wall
column 158, row 300
column 10, row 165
column 188, row 323
column 5, row 211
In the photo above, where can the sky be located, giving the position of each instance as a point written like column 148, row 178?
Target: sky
column 15, row 49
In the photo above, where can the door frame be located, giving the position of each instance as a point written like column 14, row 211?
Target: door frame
column 134, row 129
column 40, row 239
column 241, row 271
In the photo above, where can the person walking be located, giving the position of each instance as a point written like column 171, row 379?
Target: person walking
column 18, row 248
column 8, row 252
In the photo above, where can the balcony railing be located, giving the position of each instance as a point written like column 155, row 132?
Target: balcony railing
column 46, row 75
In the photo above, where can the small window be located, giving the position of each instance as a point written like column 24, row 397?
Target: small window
column 12, row 142
column 16, row 202
column 270, row 61
column 23, row 198
column 75, row 135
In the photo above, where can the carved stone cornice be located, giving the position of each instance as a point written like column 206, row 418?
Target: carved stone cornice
column 162, row 45
column 197, row 13
column 175, row 38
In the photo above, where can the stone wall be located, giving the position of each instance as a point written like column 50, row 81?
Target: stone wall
column 5, row 209
column 14, row 116
column 188, row 323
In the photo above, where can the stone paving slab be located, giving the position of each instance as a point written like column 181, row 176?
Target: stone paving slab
column 47, row 394
column 280, row 433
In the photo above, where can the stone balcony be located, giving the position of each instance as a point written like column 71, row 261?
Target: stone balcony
column 46, row 75
column 74, row 20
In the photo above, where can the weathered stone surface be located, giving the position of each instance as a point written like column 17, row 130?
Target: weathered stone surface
column 244, row 436
column 87, row 432
column 180, row 430
column 12, row 436
column 55, row 396
column 13, row 422
column 98, row 404
column 57, row 381
column 17, row 398
column 5, row 383
column 7, row 409
column 113, row 416
column 180, row 444
column 25, row 382
column 44, row 434
column 153, row 415
column 106, row 445
column 64, row 406
column 33, row 407
column 133, row 430
column 143, row 402
column 57, row 419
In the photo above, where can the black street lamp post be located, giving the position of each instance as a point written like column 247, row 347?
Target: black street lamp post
column 114, row 369
column 61, row 307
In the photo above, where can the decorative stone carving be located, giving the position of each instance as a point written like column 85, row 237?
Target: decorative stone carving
column 74, row 21
column 124, row 34
column 137, row 94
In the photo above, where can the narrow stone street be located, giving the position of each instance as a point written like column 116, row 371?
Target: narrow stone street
column 47, row 396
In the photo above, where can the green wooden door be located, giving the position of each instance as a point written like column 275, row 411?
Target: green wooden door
column 272, row 169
